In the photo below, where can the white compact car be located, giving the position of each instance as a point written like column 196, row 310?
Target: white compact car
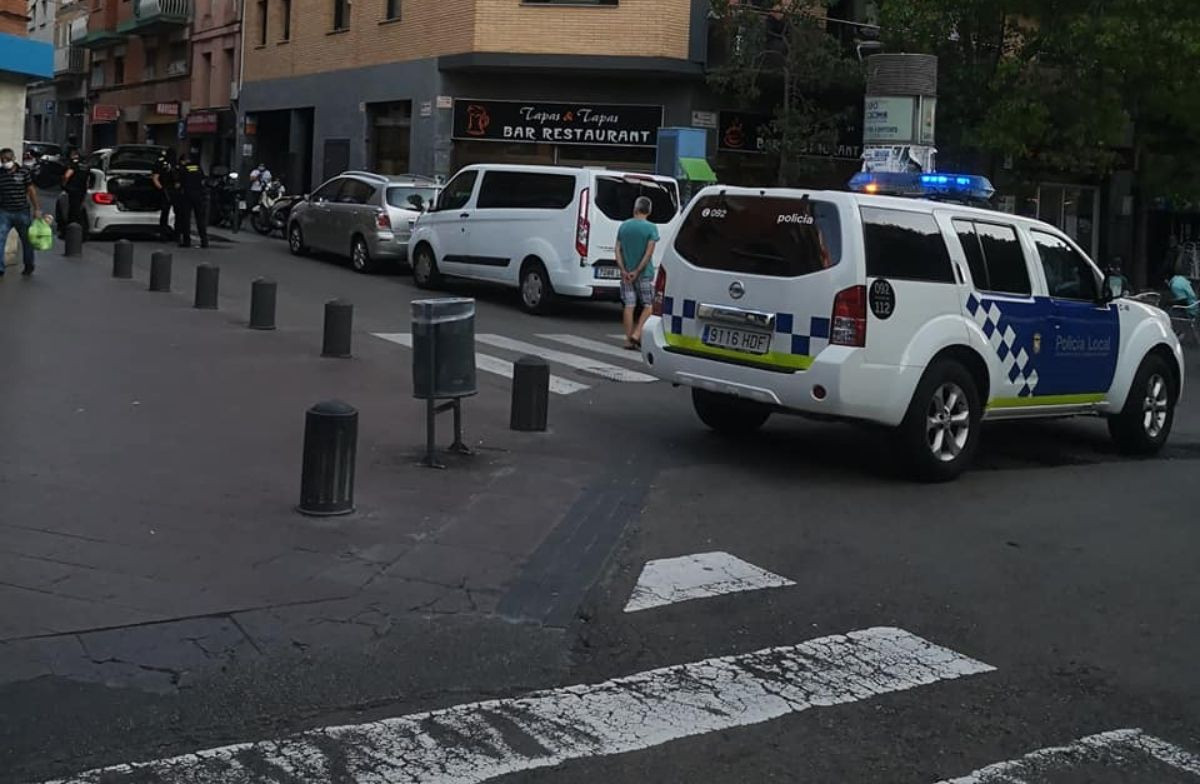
column 922, row 316
column 121, row 196
column 550, row 231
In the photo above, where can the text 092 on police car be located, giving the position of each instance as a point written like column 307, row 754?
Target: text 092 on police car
column 922, row 315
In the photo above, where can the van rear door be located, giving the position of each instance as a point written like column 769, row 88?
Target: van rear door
column 752, row 278
column 611, row 197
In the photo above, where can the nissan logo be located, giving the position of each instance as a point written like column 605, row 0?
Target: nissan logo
column 737, row 290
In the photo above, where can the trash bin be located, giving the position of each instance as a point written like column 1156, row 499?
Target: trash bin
column 443, row 348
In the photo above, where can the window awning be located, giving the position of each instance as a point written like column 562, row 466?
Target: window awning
column 697, row 170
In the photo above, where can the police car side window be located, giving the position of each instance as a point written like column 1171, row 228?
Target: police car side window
column 1068, row 274
column 1007, row 271
column 970, row 245
column 905, row 245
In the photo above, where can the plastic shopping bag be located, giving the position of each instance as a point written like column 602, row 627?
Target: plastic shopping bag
column 41, row 236
column 12, row 248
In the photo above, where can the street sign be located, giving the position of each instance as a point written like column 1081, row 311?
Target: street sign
column 426, row 108
column 49, row 107
column 704, row 120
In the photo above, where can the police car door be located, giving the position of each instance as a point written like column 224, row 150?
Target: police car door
column 1079, row 349
column 1011, row 322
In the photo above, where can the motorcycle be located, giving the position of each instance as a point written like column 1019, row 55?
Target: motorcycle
column 271, row 213
column 227, row 201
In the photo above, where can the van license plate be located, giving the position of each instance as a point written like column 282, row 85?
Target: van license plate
column 737, row 339
column 608, row 273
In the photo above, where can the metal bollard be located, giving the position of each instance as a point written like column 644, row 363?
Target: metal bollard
column 122, row 259
column 160, row 271
column 530, row 394
column 262, row 304
column 339, row 320
column 208, row 283
column 74, row 240
column 327, row 474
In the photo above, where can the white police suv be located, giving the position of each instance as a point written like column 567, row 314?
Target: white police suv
column 917, row 314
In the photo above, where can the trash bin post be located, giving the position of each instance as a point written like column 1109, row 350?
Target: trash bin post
column 443, row 365
column 327, row 471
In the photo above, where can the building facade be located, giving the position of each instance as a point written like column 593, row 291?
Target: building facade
column 22, row 61
column 39, row 98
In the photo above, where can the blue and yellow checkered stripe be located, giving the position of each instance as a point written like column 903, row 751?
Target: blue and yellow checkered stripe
column 791, row 348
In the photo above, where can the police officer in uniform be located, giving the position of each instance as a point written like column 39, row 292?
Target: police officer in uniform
column 164, row 181
column 193, row 201
column 75, row 183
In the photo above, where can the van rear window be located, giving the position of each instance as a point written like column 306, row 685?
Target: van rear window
column 615, row 197
column 759, row 235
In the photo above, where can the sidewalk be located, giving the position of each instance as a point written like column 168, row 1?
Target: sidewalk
column 150, row 463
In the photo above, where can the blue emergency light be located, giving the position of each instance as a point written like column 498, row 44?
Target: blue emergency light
column 933, row 185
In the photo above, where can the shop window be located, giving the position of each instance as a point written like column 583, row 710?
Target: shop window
column 341, row 15
column 391, row 125
column 392, row 10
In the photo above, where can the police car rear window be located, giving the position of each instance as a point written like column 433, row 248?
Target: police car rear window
column 905, row 245
column 761, row 235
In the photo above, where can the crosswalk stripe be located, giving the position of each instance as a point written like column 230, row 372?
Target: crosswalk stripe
column 593, row 366
column 475, row 742
column 703, row 575
column 490, row 364
column 596, row 346
column 1119, row 746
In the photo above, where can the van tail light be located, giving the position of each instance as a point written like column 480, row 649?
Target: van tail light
column 383, row 220
column 660, row 291
column 849, row 327
column 104, row 197
column 583, row 228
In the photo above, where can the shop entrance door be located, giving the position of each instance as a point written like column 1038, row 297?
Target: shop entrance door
column 1075, row 209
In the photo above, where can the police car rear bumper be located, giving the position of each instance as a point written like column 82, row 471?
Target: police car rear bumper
column 853, row 389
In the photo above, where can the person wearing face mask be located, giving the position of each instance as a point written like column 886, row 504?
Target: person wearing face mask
column 18, row 206
column 75, row 184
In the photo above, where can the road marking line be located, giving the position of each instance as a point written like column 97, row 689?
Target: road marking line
column 490, row 364
column 670, row 580
column 479, row 741
column 1118, row 744
column 597, row 347
column 593, row 366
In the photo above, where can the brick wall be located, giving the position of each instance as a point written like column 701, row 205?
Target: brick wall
column 13, row 18
column 429, row 28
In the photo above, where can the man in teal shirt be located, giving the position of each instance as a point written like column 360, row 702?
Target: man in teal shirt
column 635, row 250
column 1184, row 295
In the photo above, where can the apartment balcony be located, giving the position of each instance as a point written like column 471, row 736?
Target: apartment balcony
column 93, row 39
column 70, row 61
column 151, row 17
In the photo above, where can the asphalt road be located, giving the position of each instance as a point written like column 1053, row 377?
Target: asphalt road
column 1048, row 596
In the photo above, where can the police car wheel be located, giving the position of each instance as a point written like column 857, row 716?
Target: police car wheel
column 424, row 266
column 296, row 240
column 360, row 256
column 1145, row 422
column 728, row 415
column 940, row 432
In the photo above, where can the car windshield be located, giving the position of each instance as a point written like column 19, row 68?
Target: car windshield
column 615, row 197
column 411, row 197
column 136, row 158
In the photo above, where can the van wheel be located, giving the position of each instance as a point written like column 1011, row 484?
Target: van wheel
column 1145, row 422
column 940, row 433
column 729, row 415
column 537, row 295
column 296, row 240
column 360, row 256
column 424, row 267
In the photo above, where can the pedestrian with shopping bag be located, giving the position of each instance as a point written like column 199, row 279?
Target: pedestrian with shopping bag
column 18, row 206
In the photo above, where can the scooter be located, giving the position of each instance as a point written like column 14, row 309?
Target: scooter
column 261, row 215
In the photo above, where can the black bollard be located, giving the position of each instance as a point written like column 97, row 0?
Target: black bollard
column 339, row 320
column 208, row 283
column 123, row 259
column 327, row 475
column 262, row 304
column 74, row 240
column 530, row 394
column 160, row 271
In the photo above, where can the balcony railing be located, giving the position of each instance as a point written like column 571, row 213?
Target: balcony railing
column 70, row 61
column 156, row 16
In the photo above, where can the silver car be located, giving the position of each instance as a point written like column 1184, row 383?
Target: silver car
column 366, row 217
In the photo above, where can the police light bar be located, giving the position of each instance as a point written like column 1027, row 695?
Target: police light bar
column 967, row 187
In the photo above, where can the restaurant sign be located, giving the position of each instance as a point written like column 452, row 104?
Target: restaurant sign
column 533, row 122
column 747, row 132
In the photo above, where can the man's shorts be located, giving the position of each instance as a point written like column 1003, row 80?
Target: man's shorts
column 640, row 292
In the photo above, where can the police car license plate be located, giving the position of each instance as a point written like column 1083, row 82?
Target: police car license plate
column 608, row 273
column 736, row 339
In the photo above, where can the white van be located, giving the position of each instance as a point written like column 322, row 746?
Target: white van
column 920, row 316
column 550, row 231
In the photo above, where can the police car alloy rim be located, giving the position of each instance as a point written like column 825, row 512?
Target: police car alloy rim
column 1154, row 408
column 948, row 422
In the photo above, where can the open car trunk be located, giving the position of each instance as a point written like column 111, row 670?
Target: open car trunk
column 134, row 191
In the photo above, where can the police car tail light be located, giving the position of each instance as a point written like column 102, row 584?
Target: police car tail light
column 660, row 290
column 584, row 227
column 849, row 327
column 383, row 220
column 104, row 197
